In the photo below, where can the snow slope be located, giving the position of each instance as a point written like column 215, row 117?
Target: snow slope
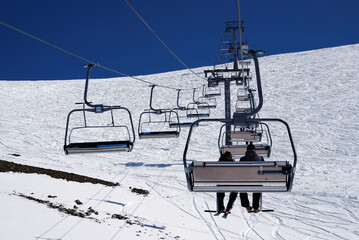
column 316, row 92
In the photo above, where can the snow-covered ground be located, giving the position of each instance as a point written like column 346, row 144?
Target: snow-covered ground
column 316, row 92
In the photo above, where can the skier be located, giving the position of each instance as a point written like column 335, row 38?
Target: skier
column 251, row 155
column 226, row 157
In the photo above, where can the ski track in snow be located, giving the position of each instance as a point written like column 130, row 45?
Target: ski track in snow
column 83, row 207
column 205, row 222
column 316, row 92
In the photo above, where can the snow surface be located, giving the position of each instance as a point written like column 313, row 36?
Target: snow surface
column 316, row 92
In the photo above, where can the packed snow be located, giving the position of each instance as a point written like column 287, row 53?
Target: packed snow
column 316, row 92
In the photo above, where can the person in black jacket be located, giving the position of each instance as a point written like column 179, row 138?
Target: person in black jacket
column 226, row 157
column 251, row 155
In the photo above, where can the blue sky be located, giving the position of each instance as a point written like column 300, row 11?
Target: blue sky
column 108, row 32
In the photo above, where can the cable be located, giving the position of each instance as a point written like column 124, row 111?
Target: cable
column 84, row 59
column 163, row 43
column 47, row 43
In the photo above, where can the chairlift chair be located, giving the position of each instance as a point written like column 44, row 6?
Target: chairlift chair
column 183, row 119
column 243, row 94
column 210, row 102
column 245, row 100
column 197, row 109
column 239, row 141
column 242, row 176
column 123, row 143
column 214, row 91
column 158, row 123
column 183, row 122
column 243, row 76
column 205, row 100
column 243, row 107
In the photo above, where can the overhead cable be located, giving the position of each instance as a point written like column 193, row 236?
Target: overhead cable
column 163, row 43
column 85, row 59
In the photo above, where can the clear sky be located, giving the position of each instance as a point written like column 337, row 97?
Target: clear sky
column 108, row 32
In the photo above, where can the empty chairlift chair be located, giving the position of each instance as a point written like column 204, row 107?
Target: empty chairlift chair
column 206, row 101
column 243, row 94
column 158, row 123
column 211, row 91
column 121, row 136
column 210, row 102
column 197, row 109
column 245, row 100
column 240, row 138
column 244, row 76
column 184, row 121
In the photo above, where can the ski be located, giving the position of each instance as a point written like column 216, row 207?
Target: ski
column 264, row 210
column 214, row 211
column 225, row 215
column 217, row 213
column 210, row 211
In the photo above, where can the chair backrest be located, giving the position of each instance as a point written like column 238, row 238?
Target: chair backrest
column 240, row 176
column 239, row 151
column 248, row 135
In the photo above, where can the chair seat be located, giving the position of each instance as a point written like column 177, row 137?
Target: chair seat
column 251, row 176
column 159, row 134
column 92, row 147
column 243, row 110
column 197, row 115
column 243, row 97
column 181, row 124
column 251, row 136
column 239, row 151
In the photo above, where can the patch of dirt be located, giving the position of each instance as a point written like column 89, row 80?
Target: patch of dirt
column 148, row 230
column 60, row 207
column 6, row 166
column 15, row 154
column 140, row 191
column 119, row 216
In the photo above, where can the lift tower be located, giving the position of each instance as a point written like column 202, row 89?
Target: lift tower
column 232, row 49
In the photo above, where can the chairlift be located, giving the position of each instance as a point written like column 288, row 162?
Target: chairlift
column 197, row 109
column 241, row 176
column 212, row 91
column 245, row 100
column 181, row 109
column 210, row 102
column 239, row 140
column 243, row 107
column 243, row 94
column 122, row 141
column 206, row 101
column 243, row 76
column 158, row 123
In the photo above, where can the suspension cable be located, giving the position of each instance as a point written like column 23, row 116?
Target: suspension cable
column 85, row 59
column 163, row 43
